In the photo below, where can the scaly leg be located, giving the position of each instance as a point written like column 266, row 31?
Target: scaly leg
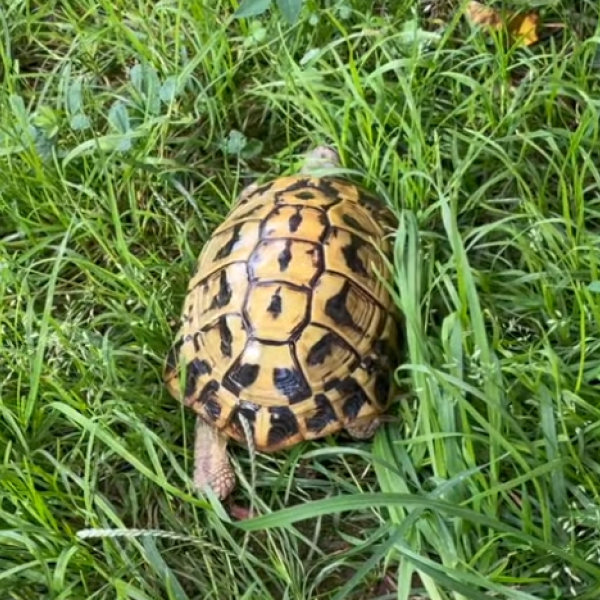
column 211, row 460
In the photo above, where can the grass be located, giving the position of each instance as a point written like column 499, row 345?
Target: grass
column 126, row 129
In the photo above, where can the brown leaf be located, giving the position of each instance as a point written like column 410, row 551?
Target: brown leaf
column 521, row 27
column 480, row 14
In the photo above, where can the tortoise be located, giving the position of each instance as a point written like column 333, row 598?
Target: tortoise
column 287, row 332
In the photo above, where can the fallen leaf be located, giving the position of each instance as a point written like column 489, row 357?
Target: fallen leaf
column 522, row 27
column 479, row 14
column 525, row 27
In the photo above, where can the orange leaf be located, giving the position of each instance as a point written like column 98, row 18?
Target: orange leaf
column 522, row 27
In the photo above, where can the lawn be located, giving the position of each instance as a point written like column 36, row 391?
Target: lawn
column 126, row 131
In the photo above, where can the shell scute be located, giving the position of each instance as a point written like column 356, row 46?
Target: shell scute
column 350, row 255
column 267, row 374
column 232, row 245
column 342, row 306
column 218, row 294
column 296, row 262
column 296, row 222
column 277, row 312
column 323, row 355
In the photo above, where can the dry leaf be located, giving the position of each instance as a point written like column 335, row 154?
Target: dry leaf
column 480, row 14
column 525, row 27
column 522, row 27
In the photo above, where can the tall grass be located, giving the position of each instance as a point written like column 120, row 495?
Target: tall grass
column 127, row 129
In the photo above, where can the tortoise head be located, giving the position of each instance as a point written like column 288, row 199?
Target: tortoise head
column 321, row 157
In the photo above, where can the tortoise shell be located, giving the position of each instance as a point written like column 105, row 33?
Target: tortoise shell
column 285, row 321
